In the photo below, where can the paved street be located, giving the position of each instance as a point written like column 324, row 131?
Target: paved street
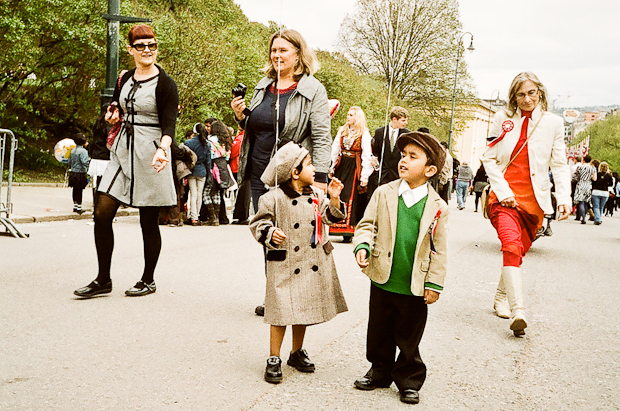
column 197, row 345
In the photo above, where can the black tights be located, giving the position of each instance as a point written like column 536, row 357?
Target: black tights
column 105, row 211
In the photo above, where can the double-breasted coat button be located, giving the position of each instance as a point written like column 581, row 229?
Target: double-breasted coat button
column 296, row 225
column 296, row 248
column 315, row 268
column 297, row 271
column 313, row 223
column 294, row 202
column 310, row 201
column 389, row 253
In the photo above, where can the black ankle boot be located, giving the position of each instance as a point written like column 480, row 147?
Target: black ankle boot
column 299, row 360
column 273, row 371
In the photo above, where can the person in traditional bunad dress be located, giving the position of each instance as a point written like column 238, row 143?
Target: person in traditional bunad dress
column 526, row 141
column 351, row 156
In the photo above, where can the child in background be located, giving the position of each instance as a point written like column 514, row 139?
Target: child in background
column 220, row 178
column 302, row 283
column 78, row 166
column 401, row 244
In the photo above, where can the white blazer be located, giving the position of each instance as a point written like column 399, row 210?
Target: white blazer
column 546, row 150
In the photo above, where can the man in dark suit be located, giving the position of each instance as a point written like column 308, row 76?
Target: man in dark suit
column 387, row 147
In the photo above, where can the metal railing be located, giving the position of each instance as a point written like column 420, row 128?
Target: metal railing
column 6, row 207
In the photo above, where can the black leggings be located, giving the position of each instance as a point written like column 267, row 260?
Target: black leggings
column 105, row 211
column 77, row 195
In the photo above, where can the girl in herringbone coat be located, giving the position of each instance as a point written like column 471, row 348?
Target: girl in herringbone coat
column 302, row 283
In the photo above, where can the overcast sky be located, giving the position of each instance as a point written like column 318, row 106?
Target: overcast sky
column 573, row 46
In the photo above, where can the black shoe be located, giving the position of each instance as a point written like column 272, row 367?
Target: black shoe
column 598, row 222
column 241, row 222
column 273, row 371
column 583, row 221
column 260, row 310
column 548, row 231
column 299, row 360
column 93, row 289
column 141, row 288
column 224, row 221
column 409, row 396
column 367, row 383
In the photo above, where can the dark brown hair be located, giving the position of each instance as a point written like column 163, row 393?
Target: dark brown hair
column 139, row 32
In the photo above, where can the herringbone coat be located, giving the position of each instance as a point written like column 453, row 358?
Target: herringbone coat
column 303, row 289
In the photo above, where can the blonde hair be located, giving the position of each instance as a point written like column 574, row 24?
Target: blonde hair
column 357, row 129
column 306, row 63
column 604, row 167
column 399, row 112
column 517, row 82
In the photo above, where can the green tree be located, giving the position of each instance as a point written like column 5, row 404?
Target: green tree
column 604, row 140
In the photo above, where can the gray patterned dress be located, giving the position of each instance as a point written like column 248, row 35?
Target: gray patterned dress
column 130, row 178
column 583, row 190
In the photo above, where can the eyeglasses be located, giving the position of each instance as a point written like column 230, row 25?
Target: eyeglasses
column 141, row 47
column 531, row 94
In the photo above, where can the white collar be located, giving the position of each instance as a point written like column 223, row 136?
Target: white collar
column 412, row 196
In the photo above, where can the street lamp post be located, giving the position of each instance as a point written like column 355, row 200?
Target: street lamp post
column 492, row 104
column 456, row 73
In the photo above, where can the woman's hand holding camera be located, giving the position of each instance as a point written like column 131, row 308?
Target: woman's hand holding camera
column 238, row 106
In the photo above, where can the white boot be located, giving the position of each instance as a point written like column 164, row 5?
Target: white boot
column 513, row 284
column 500, row 303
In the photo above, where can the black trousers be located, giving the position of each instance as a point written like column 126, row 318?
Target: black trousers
column 396, row 320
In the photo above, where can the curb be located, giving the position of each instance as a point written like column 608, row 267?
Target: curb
column 65, row 217
column 14, row 184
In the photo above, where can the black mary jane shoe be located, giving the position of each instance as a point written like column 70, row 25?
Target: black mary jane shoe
column 409, row 396
column 367, row 383
column 141, row 288
column 273, row 371
column 300, row 361
column 93, row 289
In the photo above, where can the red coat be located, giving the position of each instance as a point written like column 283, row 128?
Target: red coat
column 234, row 152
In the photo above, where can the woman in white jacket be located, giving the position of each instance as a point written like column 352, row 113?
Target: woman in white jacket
column 351, row 164
column 526, row 141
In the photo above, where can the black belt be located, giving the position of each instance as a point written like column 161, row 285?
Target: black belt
column 146, row 124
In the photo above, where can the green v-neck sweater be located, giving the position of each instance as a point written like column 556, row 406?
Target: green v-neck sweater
column 407, row 232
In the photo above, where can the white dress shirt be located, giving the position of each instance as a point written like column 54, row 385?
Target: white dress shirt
column 412, row 196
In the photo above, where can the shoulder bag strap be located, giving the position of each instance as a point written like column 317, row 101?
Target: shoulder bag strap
column 526, row 141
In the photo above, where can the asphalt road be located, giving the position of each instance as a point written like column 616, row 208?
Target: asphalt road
column 197, row 345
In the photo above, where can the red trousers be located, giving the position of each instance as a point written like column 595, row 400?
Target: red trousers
column 516, row 230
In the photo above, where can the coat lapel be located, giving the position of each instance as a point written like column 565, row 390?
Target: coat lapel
column 430, row 210
column 392, row 204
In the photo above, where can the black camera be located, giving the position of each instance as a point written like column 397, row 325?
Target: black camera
column 240, row 90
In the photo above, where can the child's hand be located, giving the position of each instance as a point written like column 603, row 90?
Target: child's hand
column 278, row 236
column 360, row 258
column 430, row 296
column 335, row 188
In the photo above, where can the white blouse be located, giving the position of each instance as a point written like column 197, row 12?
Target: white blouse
column 367, row 168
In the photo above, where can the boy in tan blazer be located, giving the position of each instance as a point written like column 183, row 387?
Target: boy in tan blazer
column 401, row 244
